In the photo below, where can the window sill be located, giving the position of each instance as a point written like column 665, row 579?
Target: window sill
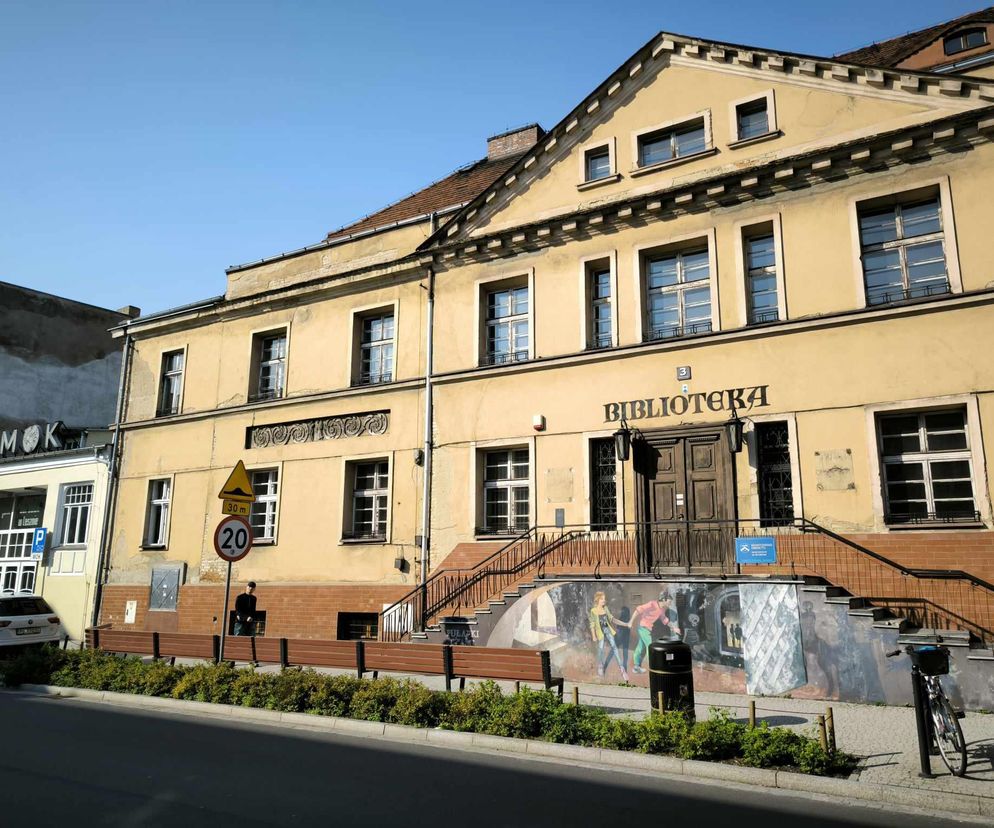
column 161, row 414
column 370, row 541
column 672, row 162
column 263, row 541
column 596, row 182
column 261, row 398
column 69, row 546
column 756, row 139
column 150, row 547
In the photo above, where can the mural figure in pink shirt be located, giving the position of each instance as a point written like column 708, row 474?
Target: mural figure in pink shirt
column 648, row 614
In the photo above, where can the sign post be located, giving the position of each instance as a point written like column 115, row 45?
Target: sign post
column 233, row 536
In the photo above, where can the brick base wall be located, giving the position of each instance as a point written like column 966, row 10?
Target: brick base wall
column 292, row 610
column 972, row 552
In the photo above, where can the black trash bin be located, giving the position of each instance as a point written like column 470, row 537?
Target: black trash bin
column 671, row 670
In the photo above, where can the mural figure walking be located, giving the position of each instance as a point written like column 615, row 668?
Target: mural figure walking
column 603, row 628
column 648, row 614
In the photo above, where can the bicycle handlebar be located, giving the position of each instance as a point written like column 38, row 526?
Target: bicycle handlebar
column 895, row 653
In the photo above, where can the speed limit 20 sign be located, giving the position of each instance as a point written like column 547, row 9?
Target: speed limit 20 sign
column 233, row 539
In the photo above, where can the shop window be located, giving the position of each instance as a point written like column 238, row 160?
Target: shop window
column 369, row 483
column 506, row 492
column 902, row 246
column 600, row 325
column 262, row 514
column 775, row 477
column 603, row 485
column 171, row 383
column 75, row 518
column 927, row 467
column 269, row 352
column 677, row 293
column 759, row 251
column 507, row 325
column 358, row 626
column 157, row 513
column 376, row 349
column 962, row 41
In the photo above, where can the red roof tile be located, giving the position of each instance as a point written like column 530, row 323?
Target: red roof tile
column 892, row 52
column 461, row 186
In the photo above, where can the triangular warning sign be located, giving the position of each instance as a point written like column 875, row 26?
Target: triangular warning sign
column 238, row 486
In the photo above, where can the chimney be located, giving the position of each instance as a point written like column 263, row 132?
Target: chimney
column 514, row 141
column 130, row 311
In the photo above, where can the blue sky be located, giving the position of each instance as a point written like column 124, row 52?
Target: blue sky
column 145, row 146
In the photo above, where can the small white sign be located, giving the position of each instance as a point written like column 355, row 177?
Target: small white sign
column 130, row 610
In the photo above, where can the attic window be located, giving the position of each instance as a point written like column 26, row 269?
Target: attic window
column 689, row 138
column 598, row 163
column 962, row 41
column 753, row 119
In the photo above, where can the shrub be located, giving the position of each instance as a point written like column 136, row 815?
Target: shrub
column 333, row 696
column 252, row 689
column 291, row 691
column 766, row 747
column 810, row 758
column 473, row 709
column 206, row 682
column 661, row 732
column 571, row 724
column 418, row 706
column 373, row 700
column 34, row 665
column 715, row 739
column 525, row 715
column 616, row 734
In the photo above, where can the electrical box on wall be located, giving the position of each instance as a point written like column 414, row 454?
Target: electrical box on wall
column 538, row 422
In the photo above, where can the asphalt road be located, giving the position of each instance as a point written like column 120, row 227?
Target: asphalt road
column 67, row 762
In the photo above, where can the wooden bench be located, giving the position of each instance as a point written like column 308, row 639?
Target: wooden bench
column 253, row 649
column 187, row 645
column 313, row 652
column 125, row 641
column 426, row 659
column 505, row 664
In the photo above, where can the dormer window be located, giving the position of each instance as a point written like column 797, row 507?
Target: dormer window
column 964, row 41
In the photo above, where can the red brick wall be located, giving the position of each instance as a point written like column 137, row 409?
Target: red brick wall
column 972, row 552
column 292, row 610
column 468, row 555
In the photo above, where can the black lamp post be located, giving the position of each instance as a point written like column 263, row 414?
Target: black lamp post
column 733, row 428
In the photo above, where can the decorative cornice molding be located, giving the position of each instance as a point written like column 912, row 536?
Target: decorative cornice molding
column 373, row 423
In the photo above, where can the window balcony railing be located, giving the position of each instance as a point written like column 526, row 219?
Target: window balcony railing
column 267, row 394
column 372, row 379
column 166, row 411
column 503, row 528
column 676, row 331
column 924, row 518
column 599, row 343
column 367, row 536
column 761, row 317
column 504, row 358
column 16, row 543
column 890, row 295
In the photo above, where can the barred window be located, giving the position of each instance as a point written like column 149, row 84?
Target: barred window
column 76, row 502
column 262, row 515
column 507, row 325
column 678, row 294
column 927, row 467
column 506, row 494
column 603, row 485
column 370, row 493
column 377, row 339
column 903, row 251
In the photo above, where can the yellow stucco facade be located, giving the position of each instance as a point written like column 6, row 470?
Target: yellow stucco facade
column 827, row 368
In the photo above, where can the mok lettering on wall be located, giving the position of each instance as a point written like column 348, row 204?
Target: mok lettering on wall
column 32, row 438
column 741, row 399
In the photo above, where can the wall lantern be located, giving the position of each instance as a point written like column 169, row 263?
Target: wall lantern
column 623, row 443
column 733, row 428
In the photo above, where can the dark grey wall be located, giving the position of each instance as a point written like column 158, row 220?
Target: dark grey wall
column 57, row 360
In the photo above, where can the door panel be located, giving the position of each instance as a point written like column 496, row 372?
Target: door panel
column 667, row 503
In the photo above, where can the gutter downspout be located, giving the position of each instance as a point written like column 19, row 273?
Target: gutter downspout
column 428, row 435
column 108, row 524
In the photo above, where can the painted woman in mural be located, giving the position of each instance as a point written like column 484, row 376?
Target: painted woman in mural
column 648, row 614
column 603, row 626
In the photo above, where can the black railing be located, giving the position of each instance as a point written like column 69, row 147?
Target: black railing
column 372, row 378
column 922, row 518
column 503, row 358
column 759, row 317
column 933, row 598
column 267, row 394
column 676, row 331
column 889, row 295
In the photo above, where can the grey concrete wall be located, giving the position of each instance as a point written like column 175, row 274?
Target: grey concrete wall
column 57, row 360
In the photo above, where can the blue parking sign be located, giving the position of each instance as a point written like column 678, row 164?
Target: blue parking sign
column 38, row 542
column 756, row 550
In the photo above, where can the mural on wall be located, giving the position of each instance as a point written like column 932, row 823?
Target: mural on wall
column 601, row 631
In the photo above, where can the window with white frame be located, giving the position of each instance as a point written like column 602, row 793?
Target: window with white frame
column 270, row 362
column 688, row 138
column 506, row 492
column 262, row 514
column 376, row 341
column 677, row 293
column 597, row 163
column 752, row 119
column 927, row 468
column 761, row 275
column 507, row 325
column 76, row 502
column 171, row 383
column 157, row 512
column 902, row 247
column 370, row 497
column 601, row 325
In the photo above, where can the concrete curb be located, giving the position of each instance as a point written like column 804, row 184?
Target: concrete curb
column 843, row 789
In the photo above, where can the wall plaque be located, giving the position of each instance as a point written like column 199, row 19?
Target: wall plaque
column 322, row 428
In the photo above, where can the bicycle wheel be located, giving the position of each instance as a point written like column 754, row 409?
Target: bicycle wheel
column 948, row 735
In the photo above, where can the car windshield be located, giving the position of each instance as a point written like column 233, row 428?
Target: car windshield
column 23, row 606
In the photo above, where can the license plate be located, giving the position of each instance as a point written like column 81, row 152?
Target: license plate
column 29, row 630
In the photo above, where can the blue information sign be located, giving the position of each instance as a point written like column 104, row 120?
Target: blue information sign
column 756, row 550
column 38, row 542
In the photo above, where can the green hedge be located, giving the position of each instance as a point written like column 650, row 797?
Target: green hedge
column 527, row 714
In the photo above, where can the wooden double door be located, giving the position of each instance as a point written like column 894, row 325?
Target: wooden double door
column 687, row 500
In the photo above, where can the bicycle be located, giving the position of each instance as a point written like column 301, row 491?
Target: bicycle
column 942, row 721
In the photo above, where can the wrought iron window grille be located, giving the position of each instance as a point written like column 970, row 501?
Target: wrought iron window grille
column 504, row 359
column 921, row 518
column 269, row 394
column 761, row 317
column 678, row 331
column 893, row 295
column 373, row 378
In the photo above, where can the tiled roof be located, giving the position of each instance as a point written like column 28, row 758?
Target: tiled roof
column 892, row 52
column 461, row 186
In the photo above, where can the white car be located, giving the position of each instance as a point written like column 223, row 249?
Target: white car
column 27, row 619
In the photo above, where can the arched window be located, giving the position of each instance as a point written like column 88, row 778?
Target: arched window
column 963, row 40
